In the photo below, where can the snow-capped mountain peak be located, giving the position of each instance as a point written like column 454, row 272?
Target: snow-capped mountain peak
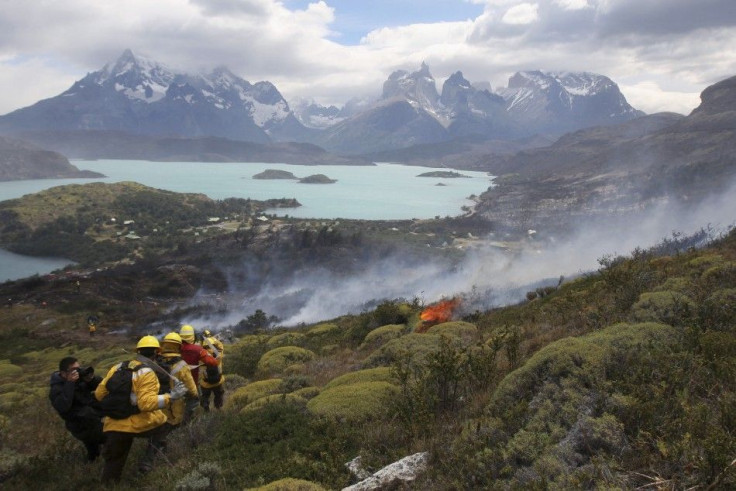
column 574, row 98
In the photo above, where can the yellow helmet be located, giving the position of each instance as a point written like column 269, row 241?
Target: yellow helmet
column 207, row 333
column 148, row 342
column 187, row 333
column 172, row 337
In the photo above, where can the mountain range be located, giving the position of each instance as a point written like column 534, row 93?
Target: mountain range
column 605, row 172
column 140, row 96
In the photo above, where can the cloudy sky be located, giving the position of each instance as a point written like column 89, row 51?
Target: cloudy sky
column 662, row 53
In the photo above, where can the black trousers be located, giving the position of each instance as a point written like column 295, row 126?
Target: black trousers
column 219, row 393
column 117, row 447
column 90, row 434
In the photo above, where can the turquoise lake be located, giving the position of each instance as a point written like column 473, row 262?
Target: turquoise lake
column 378, row 192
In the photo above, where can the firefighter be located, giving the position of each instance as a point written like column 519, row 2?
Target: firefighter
column 212, row 381
column 170, row 359
column 194, row 355
column 146, row 423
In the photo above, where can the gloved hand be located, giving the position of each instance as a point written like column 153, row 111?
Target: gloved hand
column 178, row 391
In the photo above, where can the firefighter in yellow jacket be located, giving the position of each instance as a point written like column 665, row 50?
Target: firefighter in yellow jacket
column 170, row 359
column 147, row 422
column 212, row 381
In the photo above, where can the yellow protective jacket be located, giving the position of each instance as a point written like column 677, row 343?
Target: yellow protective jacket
column 144, row 394
column 180, row 370
column 220, row 355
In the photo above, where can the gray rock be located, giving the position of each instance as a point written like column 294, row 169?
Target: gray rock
column 405, row 470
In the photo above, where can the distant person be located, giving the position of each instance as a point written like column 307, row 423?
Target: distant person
column 92, row 324
column 147, row 418
column 72, row 395
column 212, row 380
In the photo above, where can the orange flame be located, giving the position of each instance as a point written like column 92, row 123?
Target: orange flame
column 437, row 313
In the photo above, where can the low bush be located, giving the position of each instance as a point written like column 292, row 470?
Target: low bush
column 252, row 392
column 378, row 374
column 382, row 334
column 279, row 359
column 354, row 402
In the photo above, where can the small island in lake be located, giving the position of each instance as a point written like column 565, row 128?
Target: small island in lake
column 443, row 174
column 274, row 174
column 317, row 179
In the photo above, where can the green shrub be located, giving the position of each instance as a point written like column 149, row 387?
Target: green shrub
column 307, row 392
column 678, row 284
column 378, row 374
column 279, row 359
column 721, row 276
column 354, row 402
column 669, row 307
column 289, row 484
column 8, row 371
column 286, row 339
column 414, row 345
column 382, row 334
column 243, row 356
column 718, row 311
column 323, row 332
column 464, row 331
column 259, row 403
column 282, row 439
column 204, row 477
column 252, row 392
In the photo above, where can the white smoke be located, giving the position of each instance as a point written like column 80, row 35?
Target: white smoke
column 496, row 276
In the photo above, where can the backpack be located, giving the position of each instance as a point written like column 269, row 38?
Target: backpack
column 116, row 404
column 212, row 375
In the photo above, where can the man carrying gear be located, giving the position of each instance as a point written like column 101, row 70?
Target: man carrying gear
column 171, row 361
column 144, row 409
column 72, row 395
column 194, row 355
column 213, row 381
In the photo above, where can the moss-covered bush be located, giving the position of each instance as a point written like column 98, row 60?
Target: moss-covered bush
column 259, row 403
column 286, row 339
column 8, row 371
column 669, row 307
column 252, row 392
column 382, row 334
column 465, row 331
column 289, row 484
column 415, row 346
column 243, row 356
column 718, row 311
column 324, row 333
column 354, row 402
column 720, row 276
column 279, row 359
column 378, row 374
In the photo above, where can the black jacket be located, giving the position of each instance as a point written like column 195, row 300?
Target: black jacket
column 75, row 401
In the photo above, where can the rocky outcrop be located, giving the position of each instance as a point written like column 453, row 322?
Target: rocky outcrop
column 20, row 160
column 403, row 471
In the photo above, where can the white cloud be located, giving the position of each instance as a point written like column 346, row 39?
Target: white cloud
column 682, row 45
column 524, row 13
column 572, row 4
column 649, row 97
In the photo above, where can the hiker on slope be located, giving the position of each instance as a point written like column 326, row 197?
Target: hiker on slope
column 72, row 394
column 144, row 406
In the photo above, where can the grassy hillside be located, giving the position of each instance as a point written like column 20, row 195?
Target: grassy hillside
column 99, row 222
column 623, row 378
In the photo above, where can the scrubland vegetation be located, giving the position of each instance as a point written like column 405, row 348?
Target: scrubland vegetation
column 623, row 378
